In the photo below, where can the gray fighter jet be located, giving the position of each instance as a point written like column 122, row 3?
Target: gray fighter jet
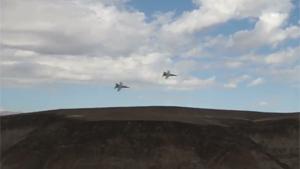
column 167, row 74
column 120, row 86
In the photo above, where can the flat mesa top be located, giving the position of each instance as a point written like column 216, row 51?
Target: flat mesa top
column 161, row 113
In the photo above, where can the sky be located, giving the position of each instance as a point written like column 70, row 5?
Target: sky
column 233, row 54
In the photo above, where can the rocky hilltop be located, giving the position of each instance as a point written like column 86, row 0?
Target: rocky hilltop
column 150, row 138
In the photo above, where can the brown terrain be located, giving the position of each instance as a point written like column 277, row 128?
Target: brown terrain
column 150, row 138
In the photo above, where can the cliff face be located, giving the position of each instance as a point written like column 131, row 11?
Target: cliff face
column 137, row 138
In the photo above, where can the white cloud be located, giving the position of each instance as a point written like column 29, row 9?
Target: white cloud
column 263, row 103
column 281, row 66
column 288, row 55
column 233, row 64
column 288, row 75
column 72, row 27
column 103, row 41
column 269, row 30
column 233, row 83
column 257, row 81
column 88, row 41
column 284, row 57
column 83, row 68
column 143, row 70
column 190, row 83
column 210, row 13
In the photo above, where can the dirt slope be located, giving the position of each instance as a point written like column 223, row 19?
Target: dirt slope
column 150, row 138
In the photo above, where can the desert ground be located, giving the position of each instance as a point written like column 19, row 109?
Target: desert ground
column 150, row 138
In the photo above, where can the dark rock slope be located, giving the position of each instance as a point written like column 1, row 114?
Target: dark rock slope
column 149, row 138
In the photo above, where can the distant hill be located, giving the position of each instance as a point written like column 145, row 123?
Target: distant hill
column 4, row 112
column 150, row 138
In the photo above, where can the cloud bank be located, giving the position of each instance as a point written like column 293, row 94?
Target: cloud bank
column 44, row 42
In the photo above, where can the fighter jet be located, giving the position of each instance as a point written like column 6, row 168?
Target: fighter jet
column 167, row 74
column 120, row 86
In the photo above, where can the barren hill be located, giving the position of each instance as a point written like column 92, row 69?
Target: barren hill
column 150, row 138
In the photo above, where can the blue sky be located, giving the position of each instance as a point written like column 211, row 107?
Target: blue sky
column 150, row 7
column 69, row 54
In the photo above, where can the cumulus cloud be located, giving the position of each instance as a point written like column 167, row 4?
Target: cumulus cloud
column 288, row 55
column 71, row 27
column 104, row 41
column 281, row 66
column 269, row 30
column 233, row 83
column 215, row 12
column 85, row 69
column 279, row 58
